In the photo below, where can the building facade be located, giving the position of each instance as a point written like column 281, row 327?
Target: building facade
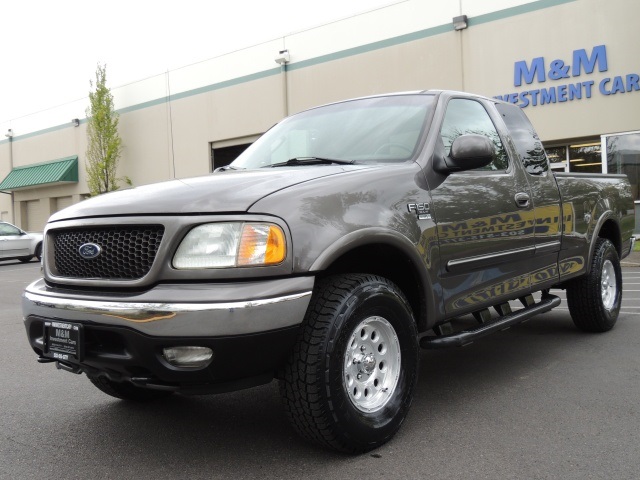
column 570, row 64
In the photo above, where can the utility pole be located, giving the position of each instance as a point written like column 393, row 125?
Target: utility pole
column 9, row 135
column 282, row 59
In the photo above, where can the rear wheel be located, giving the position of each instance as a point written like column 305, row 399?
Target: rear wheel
column 349, row 383
column 594, row 299
column 25, row 259
column 127, row 390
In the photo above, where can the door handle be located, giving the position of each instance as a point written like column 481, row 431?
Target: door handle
column 522, row 200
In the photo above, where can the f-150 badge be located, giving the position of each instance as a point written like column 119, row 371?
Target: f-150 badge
column 422, row 210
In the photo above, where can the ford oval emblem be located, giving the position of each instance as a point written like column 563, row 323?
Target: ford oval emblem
column 89, row 251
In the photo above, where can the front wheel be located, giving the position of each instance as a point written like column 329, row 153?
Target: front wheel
column 349, row 383
column 594, row 299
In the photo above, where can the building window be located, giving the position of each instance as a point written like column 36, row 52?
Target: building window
column 557, row 158
column 623, row 156
column 585, row 158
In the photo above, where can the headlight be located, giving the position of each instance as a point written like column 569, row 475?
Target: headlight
column 221, row 245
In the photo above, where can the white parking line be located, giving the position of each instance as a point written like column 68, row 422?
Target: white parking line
column 2, row 270
column 621, row 311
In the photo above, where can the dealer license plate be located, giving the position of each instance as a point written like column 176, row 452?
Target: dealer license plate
column 63, row 341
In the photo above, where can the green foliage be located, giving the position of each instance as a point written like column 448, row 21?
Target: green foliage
column 104, row 145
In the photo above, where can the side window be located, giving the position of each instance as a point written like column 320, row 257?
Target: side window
column 468, row 116
column 526, row 139
column 6, row 230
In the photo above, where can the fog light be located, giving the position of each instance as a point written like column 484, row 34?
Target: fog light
column 192, row 357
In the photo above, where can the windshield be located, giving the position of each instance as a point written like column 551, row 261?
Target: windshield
column 370, row 130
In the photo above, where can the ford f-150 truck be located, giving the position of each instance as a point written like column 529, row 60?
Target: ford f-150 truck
column 343, row 240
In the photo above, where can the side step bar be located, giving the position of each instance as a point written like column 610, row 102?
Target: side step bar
column 465, row 337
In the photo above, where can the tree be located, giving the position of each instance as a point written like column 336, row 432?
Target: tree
column 104, row 145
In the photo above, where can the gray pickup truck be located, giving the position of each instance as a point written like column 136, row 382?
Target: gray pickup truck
column 343, row 240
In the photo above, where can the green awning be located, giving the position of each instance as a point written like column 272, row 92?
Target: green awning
column 64, row 170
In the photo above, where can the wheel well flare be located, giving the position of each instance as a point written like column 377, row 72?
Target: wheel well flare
column 391, row 263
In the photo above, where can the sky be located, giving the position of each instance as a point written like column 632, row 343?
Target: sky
column 50, row 48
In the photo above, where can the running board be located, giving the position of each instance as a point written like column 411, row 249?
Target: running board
column 466, row 337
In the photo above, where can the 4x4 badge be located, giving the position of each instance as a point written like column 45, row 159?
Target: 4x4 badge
column 422, row 210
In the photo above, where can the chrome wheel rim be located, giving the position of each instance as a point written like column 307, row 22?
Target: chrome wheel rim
column 371, row 364
column 608, row 285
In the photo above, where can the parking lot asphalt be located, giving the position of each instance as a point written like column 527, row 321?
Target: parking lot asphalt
column 540, row 400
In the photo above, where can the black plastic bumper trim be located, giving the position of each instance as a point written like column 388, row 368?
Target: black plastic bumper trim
column 123, row 354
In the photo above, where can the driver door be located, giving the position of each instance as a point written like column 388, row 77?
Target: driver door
column 484, row 218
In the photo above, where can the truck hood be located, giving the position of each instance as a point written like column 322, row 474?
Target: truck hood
column 221, row 192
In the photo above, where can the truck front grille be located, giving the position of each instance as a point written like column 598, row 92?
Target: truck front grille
column 126, row 252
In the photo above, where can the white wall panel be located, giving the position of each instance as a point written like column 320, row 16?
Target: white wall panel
column 472, row 8
column 149, row 89
column 235, row 65
column 378, row 25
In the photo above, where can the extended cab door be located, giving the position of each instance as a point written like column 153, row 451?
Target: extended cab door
column 484, row 217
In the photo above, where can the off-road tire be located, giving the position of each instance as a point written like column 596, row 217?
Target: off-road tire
column 594, row 299
column 349, row 316
column 127, row 390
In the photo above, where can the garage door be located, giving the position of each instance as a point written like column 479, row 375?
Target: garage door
column 36, row 216
column 63, row 202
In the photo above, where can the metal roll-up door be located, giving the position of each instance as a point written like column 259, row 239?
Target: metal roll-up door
column 36, row 216
column 63, row 202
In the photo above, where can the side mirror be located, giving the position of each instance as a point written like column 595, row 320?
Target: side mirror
column 468, row 152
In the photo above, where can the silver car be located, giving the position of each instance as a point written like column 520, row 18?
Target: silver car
column 18, row 244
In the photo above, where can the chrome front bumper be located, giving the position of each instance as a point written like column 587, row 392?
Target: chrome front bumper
column 209, row 310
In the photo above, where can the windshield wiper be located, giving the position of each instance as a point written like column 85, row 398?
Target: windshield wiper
column 311, row 161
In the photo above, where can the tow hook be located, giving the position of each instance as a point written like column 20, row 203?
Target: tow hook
column 69, row 368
